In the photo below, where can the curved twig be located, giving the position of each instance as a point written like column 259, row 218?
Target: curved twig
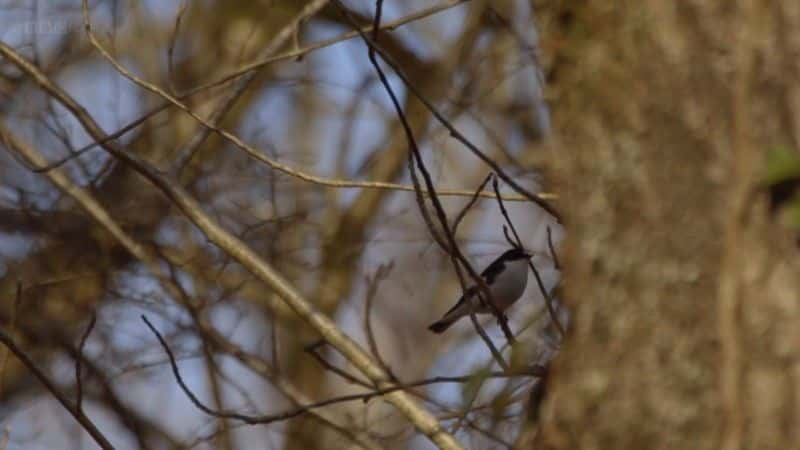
column 78, row 414
column 424, row 421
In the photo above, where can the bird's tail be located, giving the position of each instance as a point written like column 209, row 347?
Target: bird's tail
column 458, row 311
column 443, row 324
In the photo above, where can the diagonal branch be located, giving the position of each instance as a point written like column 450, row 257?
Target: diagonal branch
column 303, row 409
column 547, row 300
column 454, row 132
column 79, row 360
column 451, row 246
column 248, row 68
column 93, row 208
column 186, row 154
column 77, row 413
column 212, row 124
column 424, row 421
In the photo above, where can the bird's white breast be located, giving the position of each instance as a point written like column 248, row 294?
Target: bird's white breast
column 510, row 284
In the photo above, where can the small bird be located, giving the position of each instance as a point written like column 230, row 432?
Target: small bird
column 506, row 278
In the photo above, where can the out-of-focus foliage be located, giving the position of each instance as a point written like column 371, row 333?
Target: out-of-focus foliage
column 239, row 347
column 783, row 181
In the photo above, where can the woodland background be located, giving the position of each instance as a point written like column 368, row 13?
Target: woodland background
column 665, row 135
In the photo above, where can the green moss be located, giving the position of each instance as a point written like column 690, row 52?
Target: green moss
column 782, row 164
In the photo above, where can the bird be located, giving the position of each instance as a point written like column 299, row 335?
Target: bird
column 506, row 277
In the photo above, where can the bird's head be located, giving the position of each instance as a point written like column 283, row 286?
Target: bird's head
column 516, row 254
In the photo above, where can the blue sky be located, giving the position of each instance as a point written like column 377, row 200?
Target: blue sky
column 337, row 75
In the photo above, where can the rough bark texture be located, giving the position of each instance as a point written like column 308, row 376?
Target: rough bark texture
column 685, row 293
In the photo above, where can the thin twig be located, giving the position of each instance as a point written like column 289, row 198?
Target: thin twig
column 173, row 39
column 82, row 419
column 552, row 249
column 452, row 246
column 248, row 69
column 98, row 212
column 547, row 300
column 471, row 202
column 265, row 419
column 495, row 186
column 79, row 360
column 312, row 350
column 187, row 153
column 510, row 241
column 372, row 289
column 13, row 324
column 254, row 153
column 371, row 43
column 210, row 125
column 423, row 420
column 261, row 367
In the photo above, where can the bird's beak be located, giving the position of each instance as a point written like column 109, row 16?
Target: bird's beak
column 529, row 254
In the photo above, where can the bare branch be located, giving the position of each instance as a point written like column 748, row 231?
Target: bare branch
column 186, row 154
column 547, row 300
column 471, row 203
column 312, row 350
column 233, row 246
column 552, row 249
column 79, row 360
column 12, row 330
column 255, row 66
column 451, row 246
column 173, row 38
column 271, row 418
column 507, row 217
column 450, row 127
column 372, row 289
column 78, row 414
column 211, row 125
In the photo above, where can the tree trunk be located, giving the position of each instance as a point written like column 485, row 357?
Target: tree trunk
column 685, row 291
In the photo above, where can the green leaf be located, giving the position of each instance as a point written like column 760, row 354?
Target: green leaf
column 782, row 164
column 792, row 213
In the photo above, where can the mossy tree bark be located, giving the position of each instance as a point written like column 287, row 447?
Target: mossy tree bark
column 685, row 291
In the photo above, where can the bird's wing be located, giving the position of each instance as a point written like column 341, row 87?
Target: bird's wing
column 471, row 291
column 494, row 269
column 489, row 274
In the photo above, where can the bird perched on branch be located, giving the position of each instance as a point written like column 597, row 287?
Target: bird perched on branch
column 506, row 278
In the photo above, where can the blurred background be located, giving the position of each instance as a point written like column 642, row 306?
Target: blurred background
column 665, row 134
column 354, row 252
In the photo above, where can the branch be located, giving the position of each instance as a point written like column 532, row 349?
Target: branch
column 312, row 350
column 372, row 289
column 238, row 250
column 271, row 418
column 373, row 47
column 79, row 360
column 471, row 203
column 451, row 247
column 266, row 419
column 250, row 68
column 212, row 124
column 94, row 209
column 78, row 414
column 269, row 372
column 81, row 195
column 547, row 300
column 552, row 249
column 186, row 154
column 507, row 217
